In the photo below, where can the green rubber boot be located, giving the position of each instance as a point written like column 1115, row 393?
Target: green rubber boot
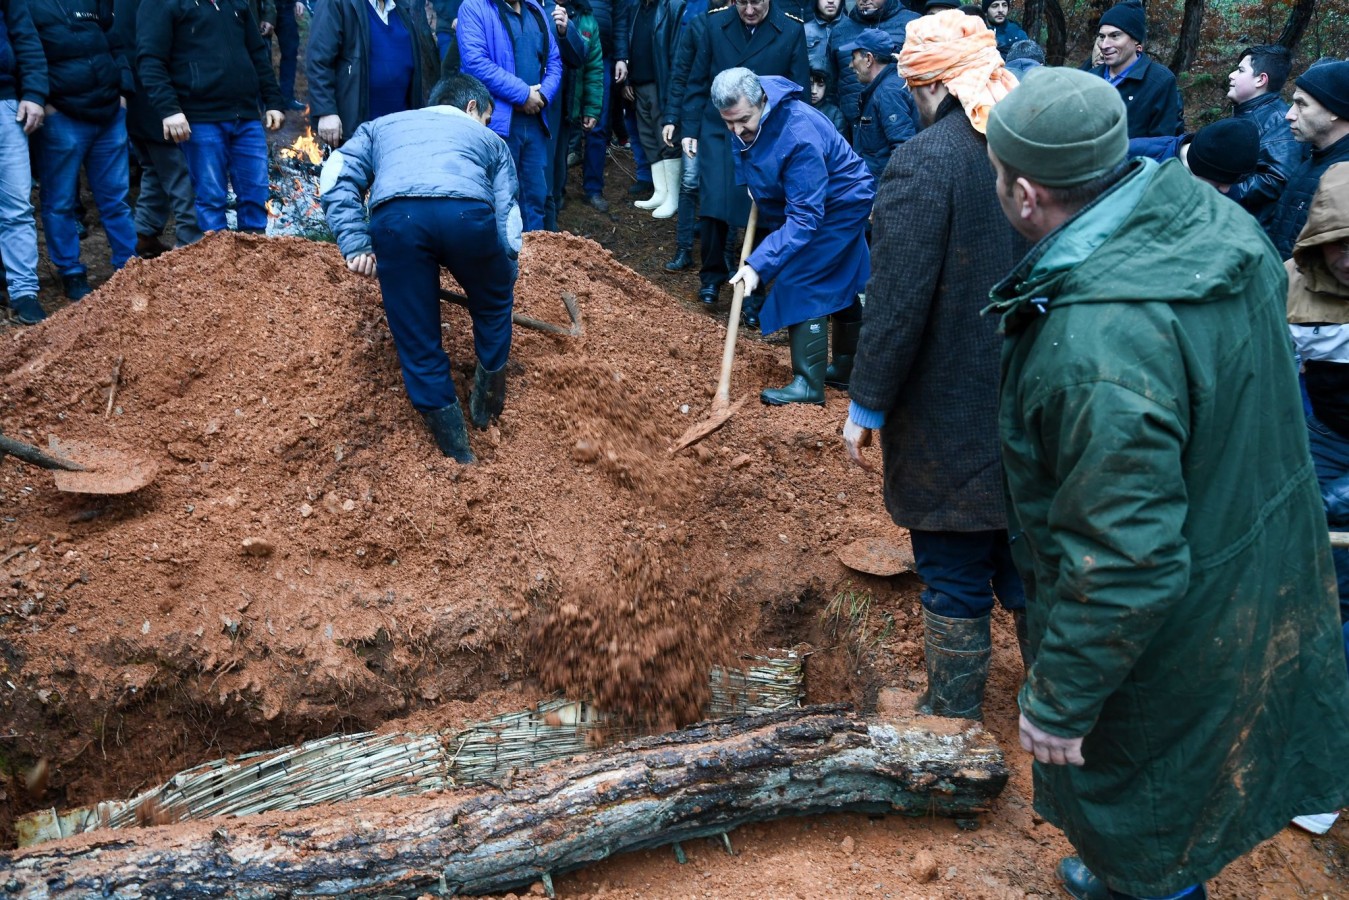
column 957, row 653
column 810, row 353
column 447, row 427
column 488, row 398
column 1023, row 639
column 846, row 332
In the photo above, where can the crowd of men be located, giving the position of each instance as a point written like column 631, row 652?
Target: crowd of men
column 1107, row 358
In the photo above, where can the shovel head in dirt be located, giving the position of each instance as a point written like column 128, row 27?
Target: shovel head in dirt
column 105, row 471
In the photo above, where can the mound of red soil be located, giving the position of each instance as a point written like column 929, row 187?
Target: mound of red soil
column 306, row 560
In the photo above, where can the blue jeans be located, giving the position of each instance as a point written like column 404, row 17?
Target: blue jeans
column 529, row 148
column 688, row 202
column 288, row 42
column 639, row 160
column 1330, row 457
column 413, row 237
column 965, row 570
column 18, row 227
column 63, row 146
column 223, row 153
column 597, row 141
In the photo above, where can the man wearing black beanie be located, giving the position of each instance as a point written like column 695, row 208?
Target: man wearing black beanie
column 1319, row 116
column 1147, row 87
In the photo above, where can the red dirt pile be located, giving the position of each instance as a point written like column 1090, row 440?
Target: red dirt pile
column 306, row 561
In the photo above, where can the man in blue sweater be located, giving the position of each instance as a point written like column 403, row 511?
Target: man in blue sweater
column 440, row 188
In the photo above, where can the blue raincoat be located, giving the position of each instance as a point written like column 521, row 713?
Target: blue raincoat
column 811, row 186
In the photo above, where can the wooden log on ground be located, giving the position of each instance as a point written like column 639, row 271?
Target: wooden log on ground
column 698, row 782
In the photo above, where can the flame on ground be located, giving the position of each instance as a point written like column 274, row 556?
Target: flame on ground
column 306, row 148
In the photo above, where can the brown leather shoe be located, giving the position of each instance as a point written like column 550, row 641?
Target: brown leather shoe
column 148, row 246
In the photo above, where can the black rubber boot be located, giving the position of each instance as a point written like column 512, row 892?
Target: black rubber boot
column 749, row 310
column 810, row 352
column 1023, row 638
column 847, row 329
column 683, row 259
column 488, row 398
column 447, row 427
column 1078, row 880
column 957, row 653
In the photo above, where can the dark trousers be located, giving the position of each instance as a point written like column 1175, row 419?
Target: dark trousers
column 1330, row 458
column 713, row 248
column 965, row 570
column 413, row 237
column 288, row 41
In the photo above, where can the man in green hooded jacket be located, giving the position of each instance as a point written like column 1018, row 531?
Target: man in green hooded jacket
column 1188, row 694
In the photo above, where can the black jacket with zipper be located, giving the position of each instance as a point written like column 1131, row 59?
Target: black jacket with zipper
column 86, row 72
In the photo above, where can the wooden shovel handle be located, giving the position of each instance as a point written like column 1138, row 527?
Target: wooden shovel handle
column 722, row 398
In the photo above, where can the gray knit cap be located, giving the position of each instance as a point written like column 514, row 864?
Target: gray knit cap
column 1060, row 127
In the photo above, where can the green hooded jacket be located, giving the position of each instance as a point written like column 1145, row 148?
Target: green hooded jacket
column 1166, row 519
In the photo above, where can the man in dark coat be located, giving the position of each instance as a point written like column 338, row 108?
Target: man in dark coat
column 365, row 61
column 1187, row 694
column 889, row 16
column 165, row 185
column 1253, row 88
column 1319, row 117
column 926, row 372
column 889, row 116
column 816, row 192
column 767, row 41
column 1147, row 87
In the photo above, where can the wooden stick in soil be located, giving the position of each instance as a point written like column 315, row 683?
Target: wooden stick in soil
column 112, row 390
column 699, row 782
column 722, row 409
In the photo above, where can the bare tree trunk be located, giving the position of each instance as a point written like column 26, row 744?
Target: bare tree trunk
column 1299, row 17
column 1056, row 45
column 699, row 782
column 1034, row 12
column 1187, row 44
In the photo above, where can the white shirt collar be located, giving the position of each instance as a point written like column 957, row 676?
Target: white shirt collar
column 388, row 8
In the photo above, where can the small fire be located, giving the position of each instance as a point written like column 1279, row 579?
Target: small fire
column 306, row 148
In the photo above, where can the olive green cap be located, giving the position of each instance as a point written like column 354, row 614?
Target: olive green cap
column 1060, row 127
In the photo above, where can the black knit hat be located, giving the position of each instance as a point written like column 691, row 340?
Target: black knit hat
column 1224, row 152
column 1129, row 18
column 1328, row 83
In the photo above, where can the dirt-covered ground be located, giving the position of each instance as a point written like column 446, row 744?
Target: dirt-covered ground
column 390, row 588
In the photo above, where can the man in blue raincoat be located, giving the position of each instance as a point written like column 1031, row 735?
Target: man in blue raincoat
column 811, row 186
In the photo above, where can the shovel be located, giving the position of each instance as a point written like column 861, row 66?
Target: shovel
column 722, row 408
column 100, row 470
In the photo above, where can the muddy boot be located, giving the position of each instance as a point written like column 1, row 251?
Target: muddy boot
column 1023, row 638
column 847, row 329
column 447, row 427
column 489, row 396
column 810, row 352
column 957, row 653
column 749, row 309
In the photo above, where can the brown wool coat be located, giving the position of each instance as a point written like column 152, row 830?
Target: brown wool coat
column 926, row 357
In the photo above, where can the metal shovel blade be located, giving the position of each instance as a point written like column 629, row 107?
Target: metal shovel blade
column 106, row 471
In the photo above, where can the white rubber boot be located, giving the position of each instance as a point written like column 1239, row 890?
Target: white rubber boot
column 673, row 169
column 657, row 179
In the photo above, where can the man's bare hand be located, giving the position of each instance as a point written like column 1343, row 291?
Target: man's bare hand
column 535, row 103
column 560, row 19
column 628, row 93
column 747, row 276
column 620, row 71
column 589, row 123
column 300, row 10
column 330, row 130
column 667, row 135
column 274, row 119
column 362, row 264
column 30, row 115
column 176, row 128
column 266, row 28
column 855, row 437
column 1050, row 749
column 689, row 146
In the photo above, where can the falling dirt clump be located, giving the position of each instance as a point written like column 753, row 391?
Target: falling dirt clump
column 641, row 642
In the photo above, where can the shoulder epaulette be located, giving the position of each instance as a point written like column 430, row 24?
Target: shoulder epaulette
column 794, row 18
column 721, row 8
